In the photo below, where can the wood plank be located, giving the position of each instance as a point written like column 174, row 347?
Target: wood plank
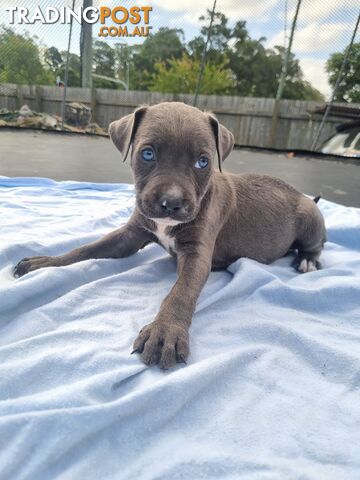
column 249, row 118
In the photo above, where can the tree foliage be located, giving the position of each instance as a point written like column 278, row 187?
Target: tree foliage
column 181, row 76
column 20, row 60
column 256, row 69
column 164, row 46
column 236, row 63
column 103, row 64
column 349, row 88
column 56, row 62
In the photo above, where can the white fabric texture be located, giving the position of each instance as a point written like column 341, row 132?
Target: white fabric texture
column 271, row 388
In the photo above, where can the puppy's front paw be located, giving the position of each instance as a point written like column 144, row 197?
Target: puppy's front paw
column 163, row 343
column 27, row 265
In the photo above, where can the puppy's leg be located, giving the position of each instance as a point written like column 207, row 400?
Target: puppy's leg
column 166, row 339
column 121, row 243
column 310, row 241
column 307, row 261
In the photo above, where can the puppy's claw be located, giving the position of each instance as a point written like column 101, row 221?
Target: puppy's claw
column 136, row 350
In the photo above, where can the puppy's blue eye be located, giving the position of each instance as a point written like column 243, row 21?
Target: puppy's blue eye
column 202, row 162
column 148, row 154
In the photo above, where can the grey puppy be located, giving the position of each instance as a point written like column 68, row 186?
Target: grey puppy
column 205, row 218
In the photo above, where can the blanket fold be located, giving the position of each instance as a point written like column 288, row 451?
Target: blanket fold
column 272, row 386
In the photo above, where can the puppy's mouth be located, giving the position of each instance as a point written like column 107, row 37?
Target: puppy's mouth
column 170, row 222
column 165, row 216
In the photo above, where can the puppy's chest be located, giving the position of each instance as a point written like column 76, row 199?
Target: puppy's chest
column 166, row 240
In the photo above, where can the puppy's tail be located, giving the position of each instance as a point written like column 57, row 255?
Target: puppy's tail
column 316, row 199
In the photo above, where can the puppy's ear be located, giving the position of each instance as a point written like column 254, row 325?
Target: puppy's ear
column 122, row 131
column 224, row 140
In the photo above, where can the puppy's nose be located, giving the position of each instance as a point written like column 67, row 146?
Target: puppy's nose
column 171, row 204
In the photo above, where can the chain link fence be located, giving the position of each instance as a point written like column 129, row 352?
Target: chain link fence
column 223, row 48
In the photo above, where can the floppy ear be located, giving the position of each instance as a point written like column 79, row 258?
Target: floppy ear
column 122, row 131
column 224, row 140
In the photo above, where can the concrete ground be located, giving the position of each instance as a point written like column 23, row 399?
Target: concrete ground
column 58, row 156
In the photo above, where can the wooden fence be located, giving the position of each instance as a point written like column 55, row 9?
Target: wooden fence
column 250, row 119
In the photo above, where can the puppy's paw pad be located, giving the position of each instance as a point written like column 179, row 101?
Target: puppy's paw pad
column 306, row 266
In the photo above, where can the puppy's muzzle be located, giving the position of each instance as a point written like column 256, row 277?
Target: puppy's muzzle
column 170, row 204
column 167, row 204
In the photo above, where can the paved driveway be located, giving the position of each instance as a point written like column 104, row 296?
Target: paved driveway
column 84, row 158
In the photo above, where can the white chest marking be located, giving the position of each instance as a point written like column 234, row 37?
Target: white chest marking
column 166, row 240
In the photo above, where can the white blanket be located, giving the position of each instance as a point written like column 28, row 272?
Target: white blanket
column 270, row 391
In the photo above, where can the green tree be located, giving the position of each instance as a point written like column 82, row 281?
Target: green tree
column 180, row 76
column 196, row 47
column 258, row 70
column 104, row 64
column 53, row 58
column 20, row 60
column 56, row 62
column 124, row 61
column 221, row 35
column 255, row 68
column 74, row 75
column 349, row 89
column 163, row 46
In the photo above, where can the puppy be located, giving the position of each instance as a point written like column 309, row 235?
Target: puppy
column 204, row 218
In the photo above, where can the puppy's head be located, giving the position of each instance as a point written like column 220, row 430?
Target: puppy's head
column 173, row 150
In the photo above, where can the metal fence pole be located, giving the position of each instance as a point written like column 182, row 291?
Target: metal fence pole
column 66, row 72
column 337, row 84
column 280, row 90
column 203, row 58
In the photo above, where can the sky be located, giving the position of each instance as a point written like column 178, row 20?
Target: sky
column 324, row 26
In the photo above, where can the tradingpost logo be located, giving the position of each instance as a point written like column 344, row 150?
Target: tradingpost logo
column 126, row 22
